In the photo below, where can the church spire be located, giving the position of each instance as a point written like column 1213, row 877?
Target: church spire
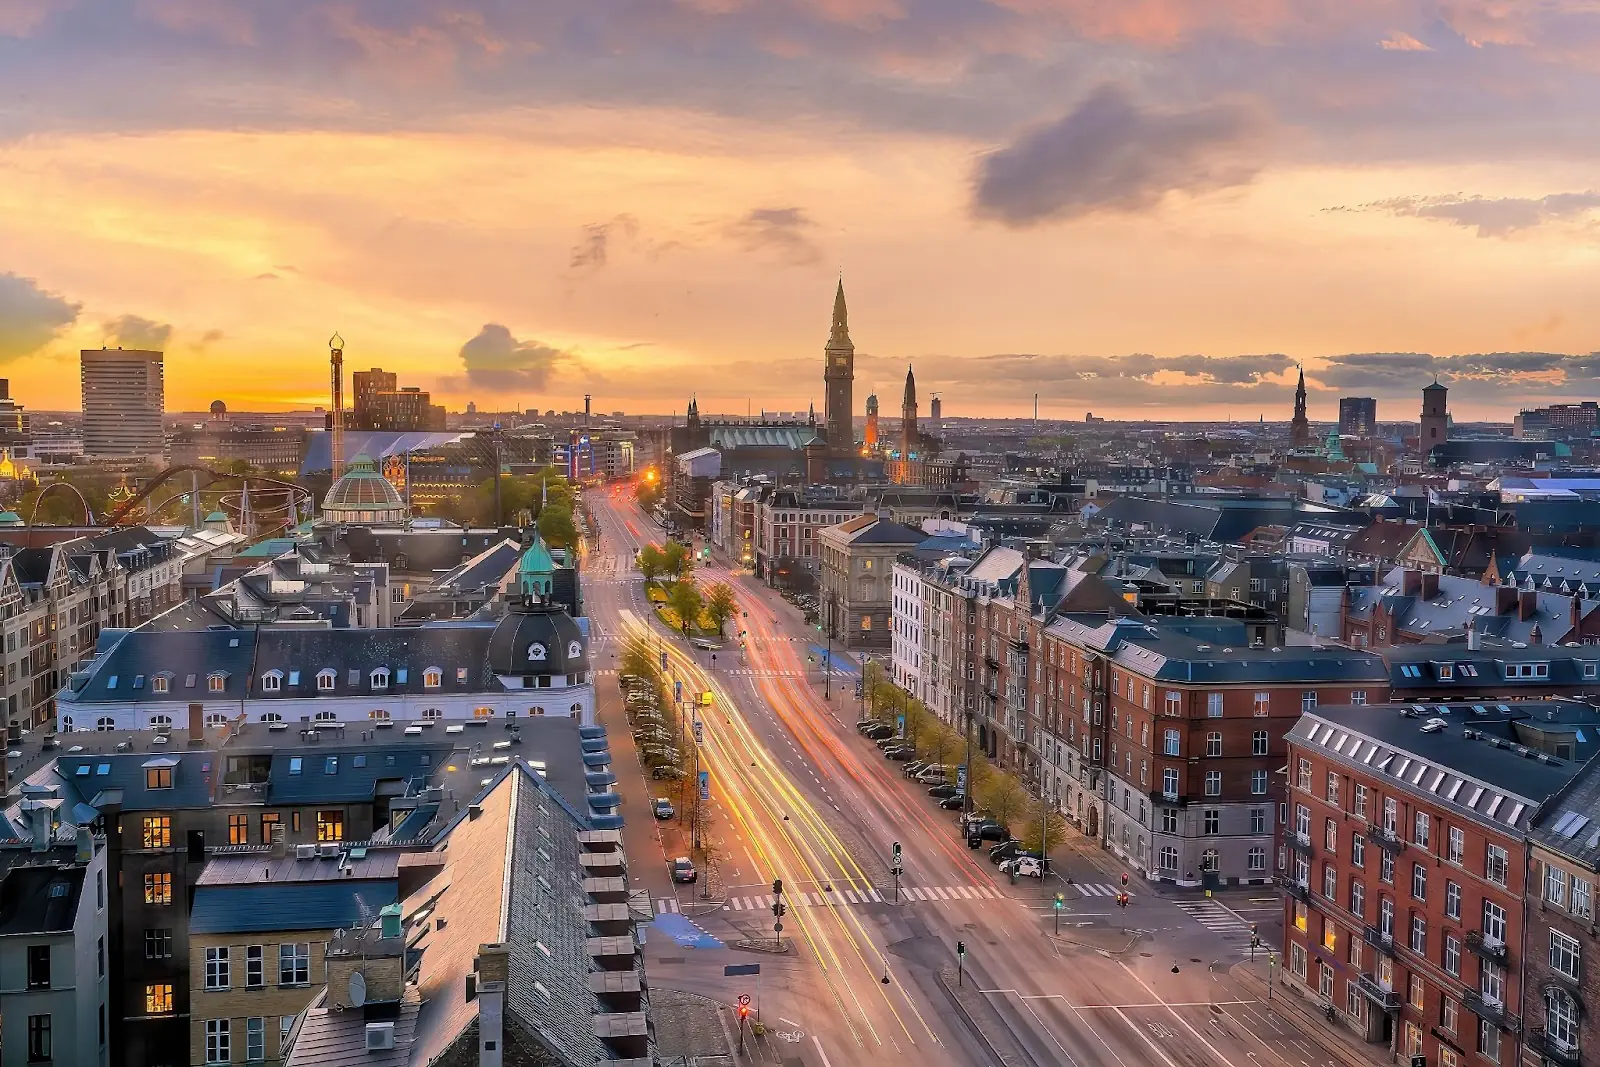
column 841, row 316
column 910, row 399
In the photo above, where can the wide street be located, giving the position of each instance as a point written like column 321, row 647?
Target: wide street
column 797, row 794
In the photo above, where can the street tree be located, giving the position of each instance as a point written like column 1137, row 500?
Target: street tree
column 1004, row 796
column 556, row 526
column 937, row 743
column 679, row 560
column 683, row 597
column 1049, row 828
column 721, row 605
column 652, row 562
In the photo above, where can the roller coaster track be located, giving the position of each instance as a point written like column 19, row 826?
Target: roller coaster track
column 119, row 516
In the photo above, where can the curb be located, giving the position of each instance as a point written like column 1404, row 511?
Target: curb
column 1335, row 1044
column 967, row 1019
column 764, row 946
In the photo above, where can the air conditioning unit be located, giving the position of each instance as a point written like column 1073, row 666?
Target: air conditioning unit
column 328, row 850
column 305, row 852
column 380, row 1036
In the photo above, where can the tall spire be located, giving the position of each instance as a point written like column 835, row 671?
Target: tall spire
column 841, row 316
column 911, row 388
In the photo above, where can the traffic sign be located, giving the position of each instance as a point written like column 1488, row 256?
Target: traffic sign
column 744, row 999
column 677, row 691
column 733, row 970
column 705, row 785
column 663, row 661
column 777, row 927
column 699, row 735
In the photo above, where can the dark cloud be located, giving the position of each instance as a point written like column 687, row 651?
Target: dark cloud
column 594, row 245
column 496, row 360
column 30, row 317
column 1502, row 376
column 1109, row 153
column 133, row 331
column 1490, row 216
column 206, row 340
column 781, row 231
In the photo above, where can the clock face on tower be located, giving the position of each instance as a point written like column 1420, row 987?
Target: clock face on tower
column 838, row 361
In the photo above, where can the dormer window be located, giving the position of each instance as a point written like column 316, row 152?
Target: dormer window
column 1446, row 672
column 432, row 678
column 537, row 652
column 1589, row 670
column 574, row 649
column 380, row 678
column 160, row 683
column 326, row 679
column 272, row 682
column 217, row 682
column 326, row 716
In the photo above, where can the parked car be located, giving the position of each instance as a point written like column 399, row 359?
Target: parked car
column 931, row 775
column 974, row 816
column 1023, row 867
column 863, row 725
column 662, row 808
column 626, row 680
column 943, row 791
column 903, row 753
column 666, row 772
column 913, row 767
column 954, row 803
column 987, row 830
column 683, row 870
column 1004, row 850
column 653, row 735
column 878, row 731
column 657, row 754
column 889, row 741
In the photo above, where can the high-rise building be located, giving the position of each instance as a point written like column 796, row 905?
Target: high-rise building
column 839, row 379
column 935, row 416
column 1358, row 416
column 380, row 403
column 1558, row 422
column 124, row 396
column 13, row 422
column 1434, row 428
column 1299, row 427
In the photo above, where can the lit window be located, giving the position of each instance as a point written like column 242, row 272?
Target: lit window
column 158, row 888
column 217, row 682
column 158, row 999
column 158, row 831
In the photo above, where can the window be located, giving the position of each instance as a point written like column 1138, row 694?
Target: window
column 1331, row 793
column 1358, row 900
column 330, row 825
column 1308, row 701
column 1169, row 820
column 239, row 830
column 158, row 778
column 1419, row 935
column 380, row 678
column 1258, row 743
column 325, row 681
column 1302, row 778
column 1169, row 742
column 270, row 821
column 294, row 963
column 1169, row 782
column 158, row 944
column 1258, row 820
column 255, row 1039
column 1495, row 862
column 1330, row 836
column 1458, row 845
column 255, row 971
column 1213, row 705
column 1358, row 696
column 1419, row 831
column 1330, row 881
column 1452, row 901
column 1563, row 956
column 158, row 999
column 1494, row 922
column 160, row 683
column 271, row 682
column 1447, row 1015
column 1452, row 956
column 1302, row 821
column 1257, row 858
column 1561, row 1020
column 1582, row 905
column 1391, row 815
column 1386, row 867
column 1263, row 705
column 1361, row 801
column 38, row 1038
column 432, row 678
column 219, row 970
column 1358, row 850
column 1213, row 783
column 219, row 1044
column 1258, row 783
column 1419, row 881
column 1555, row 885
column 158, row 831
column 216, row 683
column 1213, row 744
column 1489, row 1040
column 1169, row 858
column 158, row 888
column 1325, row 981
column 1386, row 918
column 1418, row 998
column 38, row 966
column 1174, row 704
column 1212, row 822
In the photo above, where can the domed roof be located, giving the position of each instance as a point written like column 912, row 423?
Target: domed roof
column 11, row 518
column 363, row 495
column 537, row 639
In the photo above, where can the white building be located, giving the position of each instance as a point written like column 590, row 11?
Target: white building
column 124, row 396
column 908, row 631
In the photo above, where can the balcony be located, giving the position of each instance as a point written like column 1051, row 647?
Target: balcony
column 1387, row 999
column 1379, row 940
column 1489, row 948
column 1301, row 891
column 1385, row 839
column 1553, row 1051
column 1301, row 843
column 992, row 663
column 1491, row 1011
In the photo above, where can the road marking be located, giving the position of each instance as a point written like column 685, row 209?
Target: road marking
column 818, row 1042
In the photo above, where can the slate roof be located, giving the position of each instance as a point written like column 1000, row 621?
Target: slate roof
column 1498, row 784
column 39, row 899
column 193, row 775
column 293, row 906
column 125, row 662
column 1227, row 519
column 1570, row 825
column 1424, row 666
column 1461, row 599
column 1552, row 571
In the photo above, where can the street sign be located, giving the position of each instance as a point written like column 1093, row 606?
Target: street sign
column 699, row 736
column 777, row 928
column 961, row 778
column 734, row 970
column 744, row 1000
column 663, row 661
column 677, row 692
column 900, row 725
column 705, row 785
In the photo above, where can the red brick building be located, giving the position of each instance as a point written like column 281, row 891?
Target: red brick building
column 1404, row 867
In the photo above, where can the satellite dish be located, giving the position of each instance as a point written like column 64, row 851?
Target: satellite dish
column 358, row 989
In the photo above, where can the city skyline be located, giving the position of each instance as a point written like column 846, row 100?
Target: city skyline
column 1121, row 207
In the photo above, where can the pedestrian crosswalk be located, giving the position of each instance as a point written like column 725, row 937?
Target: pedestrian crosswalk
column 1100, row 889
column 924, row 894
column 1214, row 917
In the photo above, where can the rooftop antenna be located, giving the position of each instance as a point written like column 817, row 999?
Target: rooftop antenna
column 336, row 373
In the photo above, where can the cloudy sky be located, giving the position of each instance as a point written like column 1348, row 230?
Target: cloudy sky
column 1134, row 207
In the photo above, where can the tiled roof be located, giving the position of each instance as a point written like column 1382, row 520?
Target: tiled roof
column 293, row 906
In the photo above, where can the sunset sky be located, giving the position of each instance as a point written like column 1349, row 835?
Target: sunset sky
column 1143, row 208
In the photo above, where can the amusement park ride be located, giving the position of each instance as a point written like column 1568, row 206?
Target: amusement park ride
column 261, row 504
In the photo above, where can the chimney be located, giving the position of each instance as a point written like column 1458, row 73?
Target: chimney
column 84, row 842
column 1410, row 582
column 1474, row 638
column 197, row 724
column 494, row 969
column 1505, row 598
column 1574, row 616
column 279, row 848
column 39, row 828
column 1535, row 635
column 1527, row 604
column 1430, row 585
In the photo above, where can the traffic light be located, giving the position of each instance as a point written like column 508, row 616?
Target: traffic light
column 744, row 1012
column 777, row 887
column 779, row 909
column 1060, row 902
column 1124, row 877
column 897, row 853
column 961, row 948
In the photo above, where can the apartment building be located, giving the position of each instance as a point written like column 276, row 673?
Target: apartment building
column 1405, row 869
column 858, row 558
column 787, row 523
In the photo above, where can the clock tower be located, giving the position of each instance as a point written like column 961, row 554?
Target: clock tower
column 839, row 380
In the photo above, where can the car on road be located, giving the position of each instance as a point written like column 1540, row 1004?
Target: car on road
column 944, row 791
column 953, row 803
column 666, row 772
column 683, row 870
column 661, row 808
column 1023, row 867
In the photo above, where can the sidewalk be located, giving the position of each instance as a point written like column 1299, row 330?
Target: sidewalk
column 1336, row 1041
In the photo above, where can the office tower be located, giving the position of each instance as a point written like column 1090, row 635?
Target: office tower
column 124, row 396
column 1358, row 416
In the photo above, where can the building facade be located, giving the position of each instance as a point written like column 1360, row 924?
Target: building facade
column 124, row 396
column 1561, row 983
column 1358, row 416
column 857, row 560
